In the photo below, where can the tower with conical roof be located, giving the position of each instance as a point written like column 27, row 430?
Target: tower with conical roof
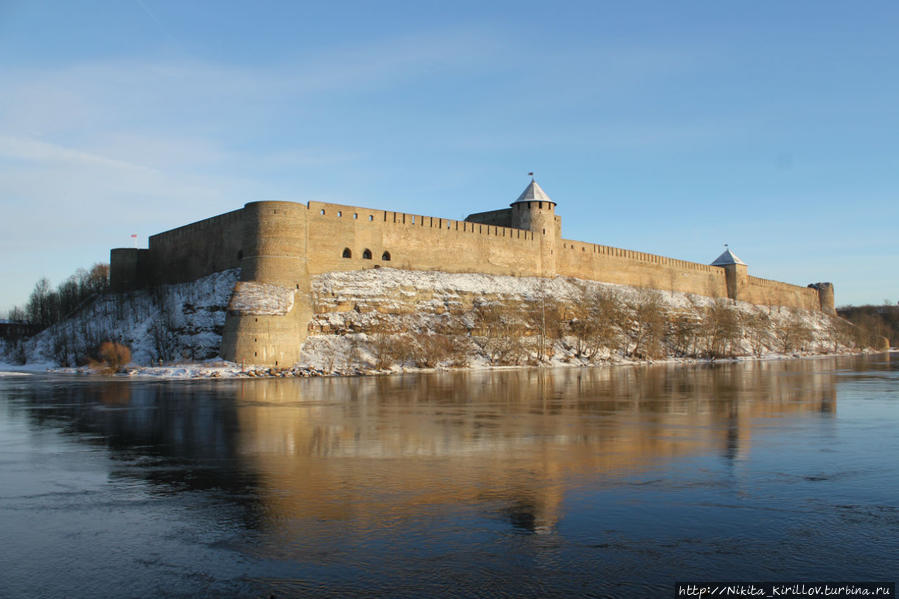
column 535, row 211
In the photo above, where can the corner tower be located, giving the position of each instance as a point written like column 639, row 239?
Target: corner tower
column 535, row 211
column 270, row 307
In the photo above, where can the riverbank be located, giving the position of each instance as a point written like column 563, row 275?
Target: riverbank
column 222, row 369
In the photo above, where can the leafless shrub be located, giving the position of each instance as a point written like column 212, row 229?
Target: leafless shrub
column 594, row 321
column 544, row 317
column 757, row 328
column 499, row 331
column 16, row 352
column 390, row 348
column 794, row 334
column 111, row 357
column 429, row 351
column 460, row 356
column 841, row 333
column 685, row 332
column 165, row 340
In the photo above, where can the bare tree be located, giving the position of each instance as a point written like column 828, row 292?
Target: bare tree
column 721, row 329
column 648, row 328
column 501, row 331
column 793, row 334
column 757, row 327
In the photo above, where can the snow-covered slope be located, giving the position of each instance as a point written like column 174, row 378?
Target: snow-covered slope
column 168, row 323
column 357, row 312
column 388, row 318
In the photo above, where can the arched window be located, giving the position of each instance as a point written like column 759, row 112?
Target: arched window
column 347, row 253
column 366, row 255
column 385, row 256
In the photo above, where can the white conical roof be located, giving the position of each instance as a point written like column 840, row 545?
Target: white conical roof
column 728, row 257
column 533, row 193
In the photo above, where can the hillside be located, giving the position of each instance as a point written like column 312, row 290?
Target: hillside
column 382, row 319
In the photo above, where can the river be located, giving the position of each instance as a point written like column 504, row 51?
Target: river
column 599, row 482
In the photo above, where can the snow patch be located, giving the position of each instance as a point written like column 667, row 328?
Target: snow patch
column 261, row 298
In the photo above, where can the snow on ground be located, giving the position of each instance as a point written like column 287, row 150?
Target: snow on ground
column 261, row 298
column 167, row 323
column 355, row 309
column 181, row 325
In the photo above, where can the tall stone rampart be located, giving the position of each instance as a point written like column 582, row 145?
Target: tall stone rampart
column 638, row 269
column 196, row 250
column 774, row 293
column 414, row 242
column 280, row 245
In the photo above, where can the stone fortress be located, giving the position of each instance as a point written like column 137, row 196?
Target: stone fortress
column 279, row 246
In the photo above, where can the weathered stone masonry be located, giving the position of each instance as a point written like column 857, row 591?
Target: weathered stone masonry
column 279, row 246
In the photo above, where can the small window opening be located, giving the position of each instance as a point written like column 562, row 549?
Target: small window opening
column 322, row 212
column 340, row 213
column 366, row 254
column 347, row 253
column 240, row 254
column 385, row 256
column 355, row 216
column 370, row 217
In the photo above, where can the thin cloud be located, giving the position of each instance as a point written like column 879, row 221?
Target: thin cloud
column 33, row 150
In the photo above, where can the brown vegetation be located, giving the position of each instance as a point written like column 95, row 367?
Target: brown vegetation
column 111, row 357
column 873, row 324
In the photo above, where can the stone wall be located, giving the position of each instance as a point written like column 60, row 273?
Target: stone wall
column 638, row 269
column 414, row 242
column 196, row 250
column 286, row 243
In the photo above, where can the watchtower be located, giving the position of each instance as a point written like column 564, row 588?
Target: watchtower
column 535, row 211
column 735, row 273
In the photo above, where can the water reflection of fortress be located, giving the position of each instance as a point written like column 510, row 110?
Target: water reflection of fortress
column 368, row 450
column 512, row 438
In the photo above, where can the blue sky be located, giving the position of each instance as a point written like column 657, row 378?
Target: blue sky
column 665, row 127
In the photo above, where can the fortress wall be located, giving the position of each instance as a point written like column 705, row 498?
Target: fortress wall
column 415, row 242
column 196, row 250
column 639, row 269
column 774, row 293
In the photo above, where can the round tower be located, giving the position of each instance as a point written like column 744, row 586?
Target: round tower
column 269, row 309
column 825, row 296
column 535, row 211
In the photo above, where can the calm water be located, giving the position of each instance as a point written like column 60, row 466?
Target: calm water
column 581, row 482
